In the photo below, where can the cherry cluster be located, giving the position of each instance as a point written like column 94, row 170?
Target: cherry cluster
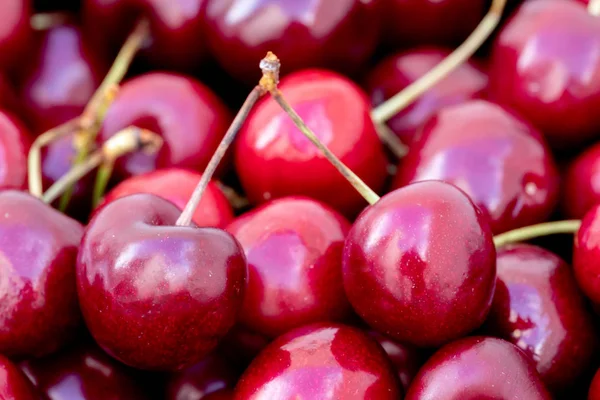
column 406, row 203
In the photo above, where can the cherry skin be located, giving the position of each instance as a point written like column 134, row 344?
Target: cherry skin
column 273, row 159
column 581, row 191
column 438, row 247
column 154, row 295
column 15, row 141
column 586, row 255
column 38, row 297
column 177, row 185
column 397, row 71
column 16, row 35
column 190, row 118
column 294, row 250
column 13, row 384
column 325, row 361
column 497, row 158
column 340, row 35
column 539, row 308
column 594, row 392
column 544, row 65
column 478, row 368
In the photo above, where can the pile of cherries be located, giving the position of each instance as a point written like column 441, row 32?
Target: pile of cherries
column 141, row 258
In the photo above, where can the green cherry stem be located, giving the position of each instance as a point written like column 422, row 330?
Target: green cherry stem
column 535, row 231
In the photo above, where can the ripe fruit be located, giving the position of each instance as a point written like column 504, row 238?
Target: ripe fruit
column 580, row 192
column 586, row 255
column 16, row 35
column 15, row 141
column 13, row 384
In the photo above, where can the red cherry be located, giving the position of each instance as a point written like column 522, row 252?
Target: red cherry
column 82, row 372
column 38, row 299
column 581, row 191
column 177, row 185
column 340, row 35
column 497, row 158
column 420, row 264
column 15, row 141
column 220, row 395
column 538, row 307
column 545, row 66
column 586, row 255
column 478, row 368
column 274, row 159
column 16, row 35
column 13, row 384
column 154, row 295
column 594, row 392
column 324, row 361
column 294, row 250
column 396, row 72
column 190, row 118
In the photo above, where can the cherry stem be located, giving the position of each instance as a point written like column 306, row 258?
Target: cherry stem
column 103, row 175
column 594, row 8
column 185, row 218
column 237, row 201
column 389, row 138
column 535, row 231
column 403, row 99
column 45, row 21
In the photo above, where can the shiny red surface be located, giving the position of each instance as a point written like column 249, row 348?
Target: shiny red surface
column 16, row 35
column 38, row 299
column 273, row 159
column 13, row 384
column 545, row 65
column 15, row 141
column 325, row 361
column 478, row 368
column 539, row 308
column 155, row 295
column 594, row 392
column 420, row 265
column 586, row 255
column 497, row 158
column 581, row 182
column 294, row 250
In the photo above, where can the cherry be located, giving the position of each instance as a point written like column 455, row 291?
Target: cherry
column 340, row 35
column 438, row 248
column 325, row 361
column 273, row 159
column 581, row 192
column 586, row 254
column 38, row 298
column 177, row 185
column 16, row 35
column 496, row 157
column 544, row 65
column 538, row 307
column 478, row 368
column 15, row 141
column 13, row 384
column 190, row 118
column 294, row 250
column 594, row 392
column 220, row 395
column 399, row 70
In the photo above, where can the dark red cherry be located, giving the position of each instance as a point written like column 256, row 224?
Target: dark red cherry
column 594, row 392
column 177, row 185
column 581, row 191
column 189, row 116
column 274, row 159
column 396, row 72
column 177, row 29
column 437, row 22
column 478, row 368
column 538, row 307
column 38, row 298
column 15, row 141
column 340, row 35
column 82, row 372
column 586, row 255
column 63, row 75
column 13, row 384
column 211, row 375
column 420, row 264
column 294, row 250
column 155, row 295
column 497, row 158
column 324, row 361
column 545, row 66
column 16, row 34
column 226, row 394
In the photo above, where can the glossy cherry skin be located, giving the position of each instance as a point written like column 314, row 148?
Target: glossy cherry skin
column 396, row 72
column 177, row 29
column 339, row 35
column 325, row 361
column 177, row 186
column 478, row 368
column 211, row 375
column 273, row 158
column 13, row 384
column 83, row 372
column 16, row 35
column 38, row 297
column 190, row 118
column 497, row 158
column 294, row 250
column 544, row 65
column 586, row 255
column 581, row 191
column 438, row 248
column 15, row 141
column 155, row 295
column 539, row 308
column 64, row 74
